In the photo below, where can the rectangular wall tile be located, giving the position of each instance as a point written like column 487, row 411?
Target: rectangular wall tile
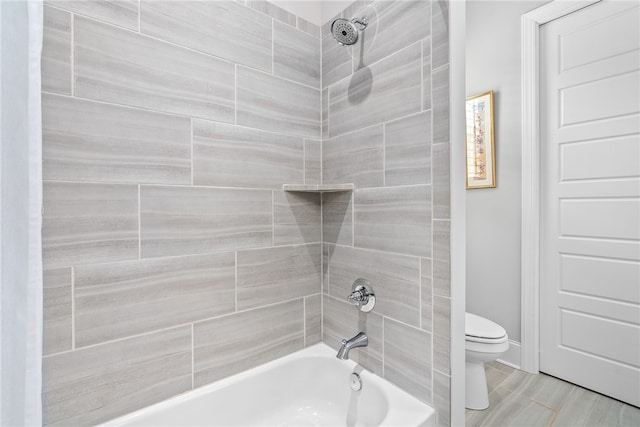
column 296, row 55
column 193, row 220
column 396, row 25
column 407, row 150
column 95, row 384
column 278, row 105
column 96, row 142
column 441, row 333
column 426, row 294
column 326, row 27
column 441, row 316
column 343, row 321
column 237, row 342
column 313, row 320
column 426, row 73
column 57, row 311
column 123, row 13
column 407, row 358
column 224, row 29
column 56, row 51
column 441, row 239
column 272, row 10
column 89, row 223
column 129, row 298
column 441, row 181
column 123, row 67
column 389, row 89
column 234, row 156
column 336, row 61
column 440, row 24
column 442, row 398
column 326, row 253
column 312, row 161
column 440, row 104
column 356, row 157
column 296, row 218
column 337, row 218
column 325, row 113
column 394, row 219
column 441, row 278
column 271, row 275
column 394, row 278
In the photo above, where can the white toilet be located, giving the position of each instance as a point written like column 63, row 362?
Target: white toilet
column 484, row 341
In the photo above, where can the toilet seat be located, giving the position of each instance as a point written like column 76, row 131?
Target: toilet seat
column 481, row 330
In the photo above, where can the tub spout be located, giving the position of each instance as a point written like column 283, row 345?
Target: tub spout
column 359, row 340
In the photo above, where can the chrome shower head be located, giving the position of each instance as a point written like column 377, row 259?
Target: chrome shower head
column 345, row 32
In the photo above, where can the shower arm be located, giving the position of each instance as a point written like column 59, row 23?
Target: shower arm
column 363, row 22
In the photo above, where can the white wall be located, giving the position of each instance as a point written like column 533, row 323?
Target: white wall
column 309, row 10
column 315, row 11
column 493, row 215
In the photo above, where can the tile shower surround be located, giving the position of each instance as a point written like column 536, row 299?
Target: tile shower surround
column 168, row 243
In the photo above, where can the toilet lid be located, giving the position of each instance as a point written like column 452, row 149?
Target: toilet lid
column 482, row 330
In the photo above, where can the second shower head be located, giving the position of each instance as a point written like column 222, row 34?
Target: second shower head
column 346, row 32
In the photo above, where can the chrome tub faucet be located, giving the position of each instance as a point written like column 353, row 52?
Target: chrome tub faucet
column 360, row 340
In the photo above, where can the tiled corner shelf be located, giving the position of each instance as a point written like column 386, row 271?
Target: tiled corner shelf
column 318, row 188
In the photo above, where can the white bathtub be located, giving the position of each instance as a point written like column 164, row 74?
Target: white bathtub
column 307, row 388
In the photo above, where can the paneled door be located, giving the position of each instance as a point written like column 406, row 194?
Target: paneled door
column 590, row 199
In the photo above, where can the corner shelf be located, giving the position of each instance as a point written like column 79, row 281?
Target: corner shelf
column 318, row 188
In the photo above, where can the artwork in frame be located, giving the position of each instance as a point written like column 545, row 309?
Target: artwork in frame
column 481, row 157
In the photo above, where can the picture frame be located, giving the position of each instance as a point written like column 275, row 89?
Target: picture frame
column 480, row 141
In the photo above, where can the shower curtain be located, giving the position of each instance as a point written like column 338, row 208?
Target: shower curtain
column 21, row 287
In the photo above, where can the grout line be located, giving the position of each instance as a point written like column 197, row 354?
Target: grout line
column 166, row 113
column 273, row 50
column 73, row 308
column 176, row 185
column 235, row 94
column 181, row 325
column 139, row 13
column 304, row 161
column 277, row 76
column 367, row 127
column 200, row 52
column 273, row 219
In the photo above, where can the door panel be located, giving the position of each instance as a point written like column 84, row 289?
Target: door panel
column 590, row 199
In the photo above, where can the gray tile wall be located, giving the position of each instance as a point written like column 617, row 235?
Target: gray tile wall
column 169, row 130
column 386, row 129
column 166, row 142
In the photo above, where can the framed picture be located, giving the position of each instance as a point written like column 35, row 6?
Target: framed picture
column 481, row 157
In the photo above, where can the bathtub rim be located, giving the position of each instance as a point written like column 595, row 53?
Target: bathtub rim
column 321, row 350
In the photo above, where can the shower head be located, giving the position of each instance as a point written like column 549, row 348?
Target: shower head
column 345, row 32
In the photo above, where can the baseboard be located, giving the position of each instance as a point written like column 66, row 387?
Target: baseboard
column 512, row 356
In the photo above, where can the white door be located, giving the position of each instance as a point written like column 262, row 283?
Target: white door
column 590, row 199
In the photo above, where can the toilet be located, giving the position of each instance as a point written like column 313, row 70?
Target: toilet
column 484, row 341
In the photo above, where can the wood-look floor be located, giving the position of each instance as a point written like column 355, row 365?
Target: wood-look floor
column 517, row 398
